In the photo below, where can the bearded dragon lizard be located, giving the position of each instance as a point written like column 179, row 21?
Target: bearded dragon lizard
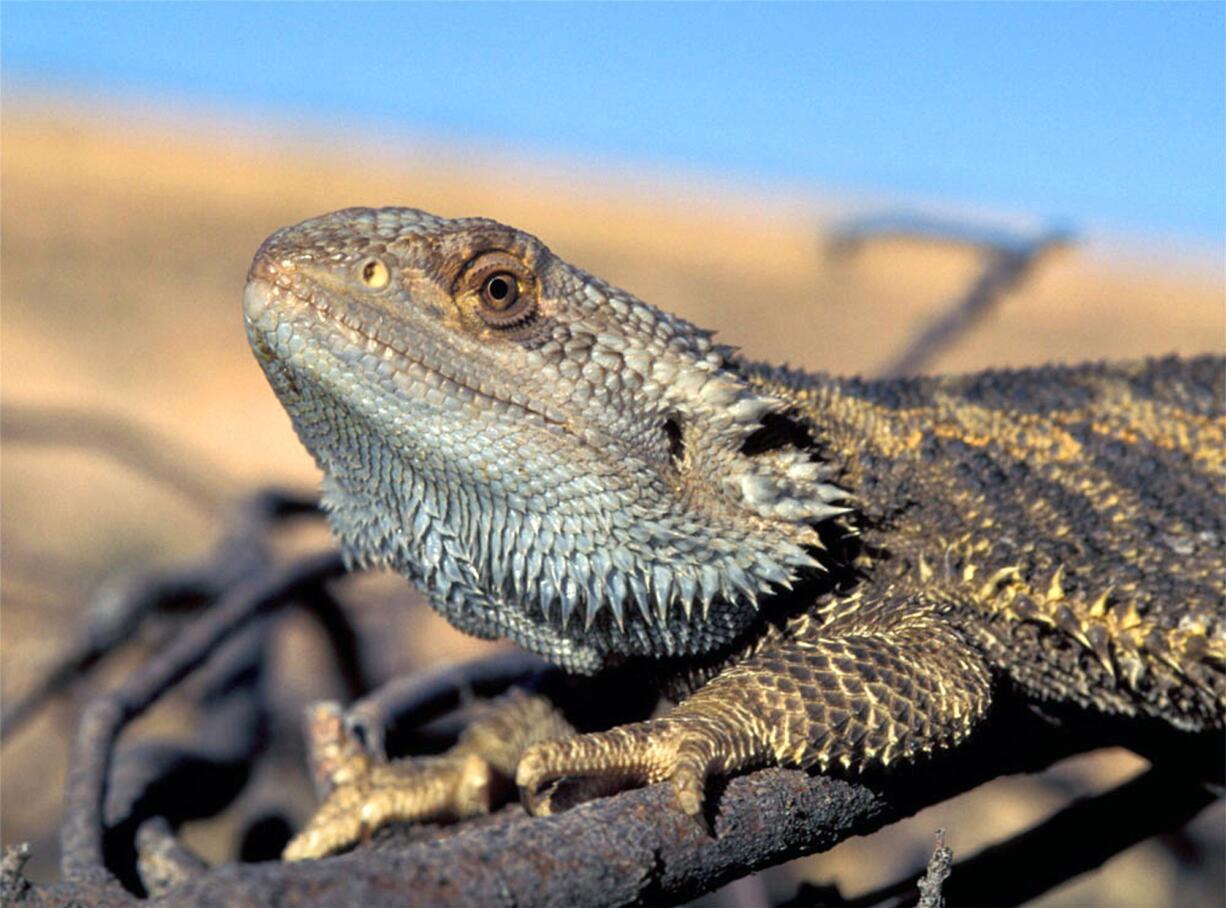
column 829, row 573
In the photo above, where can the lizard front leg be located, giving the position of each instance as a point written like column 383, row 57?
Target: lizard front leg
column 859, row 685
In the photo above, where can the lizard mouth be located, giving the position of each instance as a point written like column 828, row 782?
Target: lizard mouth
column 361, row 351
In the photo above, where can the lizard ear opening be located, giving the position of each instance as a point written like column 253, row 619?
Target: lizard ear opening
column 676, row 440
column 778, row 430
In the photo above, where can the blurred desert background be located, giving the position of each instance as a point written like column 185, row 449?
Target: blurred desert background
column 125, row 240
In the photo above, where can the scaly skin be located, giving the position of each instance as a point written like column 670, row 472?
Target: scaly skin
column 838, row 573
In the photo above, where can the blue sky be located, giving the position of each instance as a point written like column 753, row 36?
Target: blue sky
column 1094, row 113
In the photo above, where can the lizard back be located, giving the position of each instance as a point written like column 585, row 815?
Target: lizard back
column 1072, row 518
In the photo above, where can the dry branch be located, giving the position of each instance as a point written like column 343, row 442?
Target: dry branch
column 1009, row 259
column 636, row 847
column 132, row 444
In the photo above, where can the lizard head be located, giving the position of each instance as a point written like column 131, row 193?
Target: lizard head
column 550, row 458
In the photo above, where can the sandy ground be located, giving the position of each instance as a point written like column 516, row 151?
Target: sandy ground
column 124, row 243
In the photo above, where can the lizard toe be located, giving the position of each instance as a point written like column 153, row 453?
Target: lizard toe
column 556, row 774
column 362, row 792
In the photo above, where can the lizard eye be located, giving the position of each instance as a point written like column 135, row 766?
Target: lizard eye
column 499, row 291
column 375, row 274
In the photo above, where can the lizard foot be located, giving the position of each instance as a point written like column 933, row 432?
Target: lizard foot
column 681, row 749
column 362, row 793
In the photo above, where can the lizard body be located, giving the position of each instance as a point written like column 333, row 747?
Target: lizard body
column 831, row 572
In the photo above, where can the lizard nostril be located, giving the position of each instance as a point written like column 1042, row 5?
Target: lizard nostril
column 255, row 299
column 375, row 274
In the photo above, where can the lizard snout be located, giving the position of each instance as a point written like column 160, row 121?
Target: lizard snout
column 255, row 298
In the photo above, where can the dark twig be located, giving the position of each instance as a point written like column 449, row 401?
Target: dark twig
column 1008, row 261
column 126, row 441
column 408, row 702
column 164, row 861
column 179, row 781
column 847, row 238
column 112, row 617
column 120, row 607
column 1078, row 839
column 172, row 780
column 342, row 638
column 106, row 716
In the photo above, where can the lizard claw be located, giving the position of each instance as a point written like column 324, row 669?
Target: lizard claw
column 557, row 774
column 537, row 800
column 361, row 792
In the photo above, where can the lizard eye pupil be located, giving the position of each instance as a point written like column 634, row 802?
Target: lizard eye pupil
column 500, row 290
